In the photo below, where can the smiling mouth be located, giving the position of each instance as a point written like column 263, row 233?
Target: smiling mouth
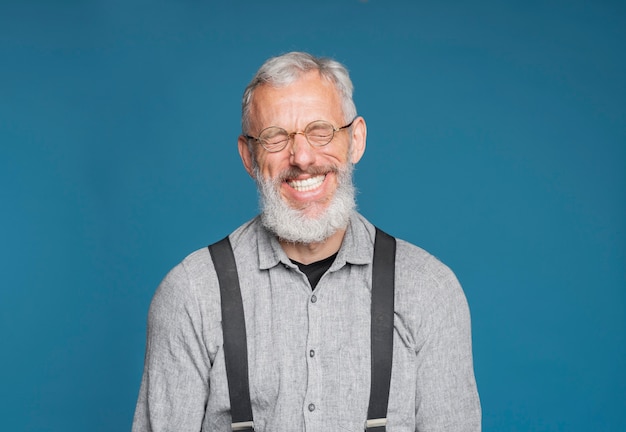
column 307, row 184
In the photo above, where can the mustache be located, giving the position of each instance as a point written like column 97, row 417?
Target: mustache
column 295, row 172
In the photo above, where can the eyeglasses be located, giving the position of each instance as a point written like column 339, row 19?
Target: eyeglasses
column 317, row 133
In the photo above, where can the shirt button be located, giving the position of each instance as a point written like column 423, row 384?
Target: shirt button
column 312, row 353
column 311, row 407
column 313, row 299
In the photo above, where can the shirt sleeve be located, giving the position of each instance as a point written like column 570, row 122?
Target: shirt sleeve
column 175, row 382
column 446, row 394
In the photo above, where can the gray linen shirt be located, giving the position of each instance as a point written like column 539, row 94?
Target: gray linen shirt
column 309, row 351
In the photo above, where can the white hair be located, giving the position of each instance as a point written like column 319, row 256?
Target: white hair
column 285, row 69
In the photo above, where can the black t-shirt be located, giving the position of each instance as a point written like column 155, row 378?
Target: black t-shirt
column 316, row 270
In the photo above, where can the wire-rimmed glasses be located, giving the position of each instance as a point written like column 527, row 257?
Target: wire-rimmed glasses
column 317, row 133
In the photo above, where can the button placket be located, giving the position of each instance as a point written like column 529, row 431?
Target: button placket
column 314, row 385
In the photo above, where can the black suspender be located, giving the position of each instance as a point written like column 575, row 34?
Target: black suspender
column 234, row 331
column 383, row 274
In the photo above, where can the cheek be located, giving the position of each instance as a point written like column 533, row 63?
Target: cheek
column 338, row 157
column 270, row 166
column 340, row 152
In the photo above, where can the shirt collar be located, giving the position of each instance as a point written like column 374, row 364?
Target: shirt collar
column 357, row 246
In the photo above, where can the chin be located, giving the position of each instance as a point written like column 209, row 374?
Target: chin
column 313, row 214
column 310, row 210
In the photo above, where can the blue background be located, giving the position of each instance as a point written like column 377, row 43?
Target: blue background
column 497, row 141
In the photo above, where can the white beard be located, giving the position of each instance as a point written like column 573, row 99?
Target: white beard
column 295, row 226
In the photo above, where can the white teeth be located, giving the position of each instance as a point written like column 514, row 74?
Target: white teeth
column 308, row 184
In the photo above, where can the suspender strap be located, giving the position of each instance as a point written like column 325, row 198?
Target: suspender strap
column 383, row 280
column 234, row 332
column 236, row 349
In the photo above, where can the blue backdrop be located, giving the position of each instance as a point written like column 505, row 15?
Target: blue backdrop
column 497, row 141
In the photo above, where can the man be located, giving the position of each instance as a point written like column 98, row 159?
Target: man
column 305, row 273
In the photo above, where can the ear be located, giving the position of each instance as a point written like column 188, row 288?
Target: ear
column 359, row 137
column 246, row 155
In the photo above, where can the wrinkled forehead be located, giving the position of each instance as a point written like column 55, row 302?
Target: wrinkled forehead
column 298, row 83
column 308, row 95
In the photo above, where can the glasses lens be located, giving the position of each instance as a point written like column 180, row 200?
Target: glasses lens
column 319, row 133
column 274, row 138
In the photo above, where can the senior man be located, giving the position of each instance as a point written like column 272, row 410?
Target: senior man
column 307, row 318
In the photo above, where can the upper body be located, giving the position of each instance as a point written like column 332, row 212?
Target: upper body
column 308, row 350
column 303, row 352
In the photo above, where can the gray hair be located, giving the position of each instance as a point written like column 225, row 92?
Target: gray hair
column 285, row 69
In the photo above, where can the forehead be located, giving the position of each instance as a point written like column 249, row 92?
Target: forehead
column 310, row 97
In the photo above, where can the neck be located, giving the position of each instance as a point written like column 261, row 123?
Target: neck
column 307, row 253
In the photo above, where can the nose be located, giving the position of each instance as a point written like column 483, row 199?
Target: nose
column 302, row 153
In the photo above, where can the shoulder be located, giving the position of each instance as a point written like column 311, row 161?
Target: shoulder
column 197, row 267
column 429, row 298
column 192, row 286
column 428, row 292
column 415, row 263
column 187, row 290
column 423, row 282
